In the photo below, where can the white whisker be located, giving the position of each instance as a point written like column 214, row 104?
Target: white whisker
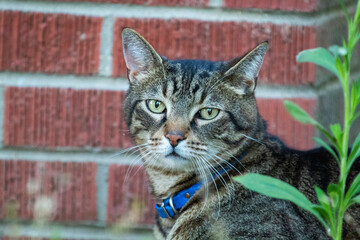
column 227, row 185
column 133, row 164
column 231, row 155
column 128, row 150
column 212, row 169
column 258, row 141
column 228, row 164
column 203, row 177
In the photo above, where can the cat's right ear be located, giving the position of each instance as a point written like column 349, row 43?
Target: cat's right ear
column 140, row 57
column 243, row 73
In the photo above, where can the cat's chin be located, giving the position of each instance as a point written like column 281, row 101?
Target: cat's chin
column 176, row 158
column 175, row 163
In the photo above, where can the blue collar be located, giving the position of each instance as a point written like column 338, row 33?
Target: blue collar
column 172, row 205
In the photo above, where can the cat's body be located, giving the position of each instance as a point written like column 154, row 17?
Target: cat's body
column 198, row 121
column 248, row 215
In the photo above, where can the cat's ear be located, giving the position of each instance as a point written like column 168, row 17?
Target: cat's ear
column 140, row 57
column 244, row 72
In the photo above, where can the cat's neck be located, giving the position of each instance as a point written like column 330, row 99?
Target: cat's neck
column 166, row 183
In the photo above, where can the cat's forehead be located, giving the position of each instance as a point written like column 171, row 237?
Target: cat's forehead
column 189, row 75
column 189, row 79
column 189, row 68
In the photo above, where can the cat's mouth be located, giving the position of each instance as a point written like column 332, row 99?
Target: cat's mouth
column 173, row 154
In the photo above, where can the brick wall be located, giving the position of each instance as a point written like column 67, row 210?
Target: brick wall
column 62, row 83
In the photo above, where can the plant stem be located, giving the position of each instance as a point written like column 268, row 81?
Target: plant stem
column 345, row 146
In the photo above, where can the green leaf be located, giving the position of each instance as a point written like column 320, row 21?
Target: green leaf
column 319, row 56
column 340, row 69
column 328, row 135
column 357, row 15
column 326, row 215
column 322, row 197
column 354, row 117
column 336, row 130
column 354, row 98
column 302, row 116
column 355, row 94
column 343, row 42
column 275, row 188
column 356, row 199
column 333, row 188
column 338, row 50
column 334, row 193
column 353, row 201
column 354, row 188
column 357, row 37
column 357, row 141
column 348, row 19
column 298, row 113
column 325, row 209
column 355, row 152
column 328, row 148
column 357, row 84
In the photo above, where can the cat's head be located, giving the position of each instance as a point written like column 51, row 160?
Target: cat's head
column 188, row 114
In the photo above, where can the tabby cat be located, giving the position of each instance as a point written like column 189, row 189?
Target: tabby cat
column 197, row 125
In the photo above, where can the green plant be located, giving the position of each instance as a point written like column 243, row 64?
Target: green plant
column 333, row 204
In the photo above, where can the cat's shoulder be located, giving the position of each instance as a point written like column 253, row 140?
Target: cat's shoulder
column 280, row 149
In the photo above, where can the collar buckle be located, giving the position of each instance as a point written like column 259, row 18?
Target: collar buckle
column 171, row 203
column 164, row 209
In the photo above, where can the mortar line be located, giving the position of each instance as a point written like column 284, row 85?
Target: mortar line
column 164, row 12
column 62, row 81
column 121, row 84
column 216, row 3
column 72, row 232
column 106, row 47
column 281, row 92
column 2, row 115
column 10, row 79
column 102, row 176
column 105, row 158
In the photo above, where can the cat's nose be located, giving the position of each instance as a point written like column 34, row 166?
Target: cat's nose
column 174, row 137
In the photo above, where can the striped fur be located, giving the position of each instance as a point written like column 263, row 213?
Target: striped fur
column 221, row 209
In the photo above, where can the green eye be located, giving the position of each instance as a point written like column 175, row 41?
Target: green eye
column 155, row 106
column 208, row 113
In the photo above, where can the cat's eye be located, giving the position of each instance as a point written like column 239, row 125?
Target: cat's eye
column 155, row 106
column 208, row 113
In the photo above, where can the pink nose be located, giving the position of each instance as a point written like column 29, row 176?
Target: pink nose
column 174, row 138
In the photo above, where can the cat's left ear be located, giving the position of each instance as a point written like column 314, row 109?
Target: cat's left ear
column 140, row 57
column 244, row 72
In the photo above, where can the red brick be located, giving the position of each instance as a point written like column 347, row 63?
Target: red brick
column 282, row 125
column 129, row 200
column 171, row 3
column 286, row 5
column 50, row 117
column 72, row 186
column 180, row 38
column 49, row 43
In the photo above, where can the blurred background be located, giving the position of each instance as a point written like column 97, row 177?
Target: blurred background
column 62, row 83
